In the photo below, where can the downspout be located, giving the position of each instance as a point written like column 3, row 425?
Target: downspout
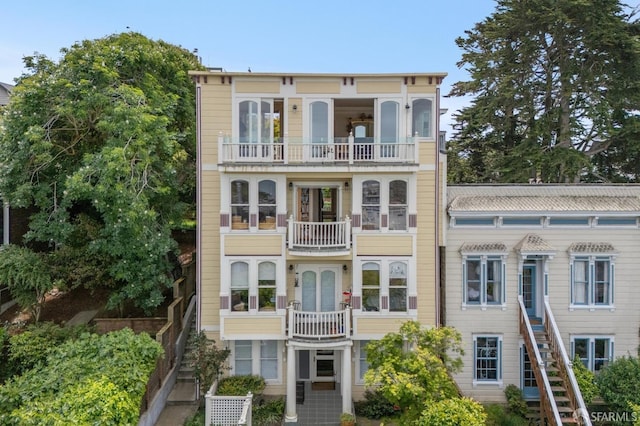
column 198, row 206
column 437, row 209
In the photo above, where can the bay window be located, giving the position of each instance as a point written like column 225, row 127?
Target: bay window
column 371, row 286
column 239, row 286
column 371, row 205
column 266, row 286
column 397, row 205
column 398, row 287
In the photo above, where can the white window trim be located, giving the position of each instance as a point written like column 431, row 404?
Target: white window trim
column 359, row 347
column 591, row 305
column 483, row 281
column 498, row 382
column 255, row 360
column 384, row 200
column 592, row 338
column 385, row 263
column 225, row 197
column 432, row 124
column 225, row 284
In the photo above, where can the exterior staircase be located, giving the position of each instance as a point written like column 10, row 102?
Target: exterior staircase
column 185, row 390
column 560, row 402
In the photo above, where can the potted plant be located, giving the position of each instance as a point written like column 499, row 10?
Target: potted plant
column 347, row 419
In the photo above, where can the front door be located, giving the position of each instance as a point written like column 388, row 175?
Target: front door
column 319, row 288
column 529, row 289
column 529, row 385
column 324, row 366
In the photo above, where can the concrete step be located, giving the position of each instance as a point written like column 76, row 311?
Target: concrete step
column 182, row 392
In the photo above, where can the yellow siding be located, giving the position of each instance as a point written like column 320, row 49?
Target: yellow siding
column 363, row 87
column 294, row 124
column 385, row 245
column 426, row 251
column 210, row 248
column 422, row 85
column 252, row 326
column 253, row 245
column 428, row 153
column 272, row 86
column 318, row 87
column 216, row 117
column 378, row 325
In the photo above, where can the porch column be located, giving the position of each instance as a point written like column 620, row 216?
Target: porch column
column 346, row 380
column 291, row 416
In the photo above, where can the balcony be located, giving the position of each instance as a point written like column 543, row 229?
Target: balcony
column 320, row 238
column 318, row 325
column 345, row 150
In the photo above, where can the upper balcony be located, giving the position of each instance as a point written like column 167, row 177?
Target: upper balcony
column 339, row 151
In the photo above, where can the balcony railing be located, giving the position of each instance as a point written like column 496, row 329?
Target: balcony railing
column 319, row 325
column 347, row 150
column 319, row 236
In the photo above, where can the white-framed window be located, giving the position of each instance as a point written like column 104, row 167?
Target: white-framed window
column 487, row 359
column 255, row 124
column 592, row 281
column 398, row 287
column 266, row 286
column 363, row 365
column 422, row 118
column 595, row 352
column 371, row 205
column 385, row 202
column 398, row 205
column 239, row 286
column 371, row 286
column 253, row 284
column 258, row 357
column 257, row 197
column 386, row 285
column 483, row 280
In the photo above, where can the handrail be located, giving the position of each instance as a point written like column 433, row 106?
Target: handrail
column 550, row 407
column 318, row 325
column 565, row 366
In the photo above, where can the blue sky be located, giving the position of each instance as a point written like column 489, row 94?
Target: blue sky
column 372, row 36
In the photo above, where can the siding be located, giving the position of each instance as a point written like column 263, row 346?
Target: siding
column 209, row 249
column 426, row 251
column 318, row 87
column 384, row 245
column 378, row 87
column 265, row 86
column 253, row 245
column 254, row 327
column 215, row 114
column 376, row 327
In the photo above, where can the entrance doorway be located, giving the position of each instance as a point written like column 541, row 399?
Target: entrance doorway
column 324, row 368
column 529, row 284
column 318, row 204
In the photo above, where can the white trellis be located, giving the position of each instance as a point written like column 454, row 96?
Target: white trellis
column 227, row 410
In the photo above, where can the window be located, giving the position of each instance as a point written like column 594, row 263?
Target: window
column 521, row 221
column 363, row 365
column 239, row 286
column 483, row 280
column 259, row 357
column 253, row 200
column 421, row 123
column 473, row 221
column 371, row 205
column 267, row 204
column 371, row 286
column 594, row 351
column 398, row 205
column 267, row 286
column 269, row 359
column 592, row 281
column 242, row 358
column 487, row 358
column 239, row 204
column 255, row 122
column 398, row 287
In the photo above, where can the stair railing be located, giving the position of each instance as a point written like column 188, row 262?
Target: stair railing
column 548, row 404
column 565, row 366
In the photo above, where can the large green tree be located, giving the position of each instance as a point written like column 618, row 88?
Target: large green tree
column 100, row 145
column 554, row 94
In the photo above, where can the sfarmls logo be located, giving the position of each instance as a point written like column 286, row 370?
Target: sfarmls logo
column 607, row 416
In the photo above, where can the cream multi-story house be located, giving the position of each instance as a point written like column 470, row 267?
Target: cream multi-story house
column 539, row 275
column 318, row 219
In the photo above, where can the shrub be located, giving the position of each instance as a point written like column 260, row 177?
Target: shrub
column 374, row 405
column 453, row 412
column 268, row 412
column 241, row 386
column 207, row 360
column 497, row 415
column 619, row 383
column 586, row 381
column 515, row 401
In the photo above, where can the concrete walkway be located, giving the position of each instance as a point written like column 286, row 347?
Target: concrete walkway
column 176, row 415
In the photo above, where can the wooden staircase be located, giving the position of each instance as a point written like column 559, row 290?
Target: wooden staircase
column 560, row 398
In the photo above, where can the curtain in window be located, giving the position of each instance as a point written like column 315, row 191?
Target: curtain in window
column 328, row 291
column 242, row 357
column 580, row 281
column 269, row 359
column 422, row 118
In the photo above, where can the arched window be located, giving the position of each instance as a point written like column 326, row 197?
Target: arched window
column 267, row 204
column 422, row 117
column 248, row 122
column 371, row 286
column 239, row 204
column 397, row 205
column 239, row 286
column 267, row 286
column 398, row 287
column 371, row 205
